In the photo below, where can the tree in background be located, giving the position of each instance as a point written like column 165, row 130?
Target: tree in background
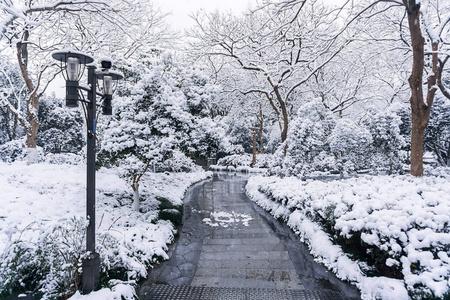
column 308, row 138
column 424, row 43
column 350, row 144
column 279, row 50
column 11, row 94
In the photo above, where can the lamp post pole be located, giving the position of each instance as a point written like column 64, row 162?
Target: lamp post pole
column 91, row 263
column 90, row 278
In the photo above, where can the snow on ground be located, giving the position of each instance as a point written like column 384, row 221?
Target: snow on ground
column 406, row 218
column 38, row 200
column 225, row 219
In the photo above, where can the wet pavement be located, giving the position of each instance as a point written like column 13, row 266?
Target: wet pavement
column 230, row 246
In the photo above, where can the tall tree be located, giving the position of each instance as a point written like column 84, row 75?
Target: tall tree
column 426, row 37
column 421, row 103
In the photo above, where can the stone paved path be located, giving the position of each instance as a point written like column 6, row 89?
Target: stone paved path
column 227, row 244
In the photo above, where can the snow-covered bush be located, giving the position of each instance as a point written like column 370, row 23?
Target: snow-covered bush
column 236, row 160
column 60, row 128
column 44, row 259
column 350, row 144
column 263, row 160
column 395, row 229
column 63, row 158
column 243, row 163
column 13, row 150
column 17, row 150
column 308, row 147
column 387, row 151
column 178, row 162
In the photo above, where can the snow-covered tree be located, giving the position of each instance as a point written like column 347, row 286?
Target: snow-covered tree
column 164, row 114
column 435, row 19
column 309, row 148
column 11, row 94
column 423, row 28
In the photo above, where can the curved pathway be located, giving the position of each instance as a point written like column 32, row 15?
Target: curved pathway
column 229, row 248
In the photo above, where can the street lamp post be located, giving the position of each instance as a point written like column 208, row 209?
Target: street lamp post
column 73, row 62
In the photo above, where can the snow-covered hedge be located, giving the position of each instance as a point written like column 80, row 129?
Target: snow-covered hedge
column 42, row 222
column 394, row 229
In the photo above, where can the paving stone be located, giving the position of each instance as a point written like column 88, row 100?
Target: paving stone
column 245, row 264
column 171, row 272
column 187, row 268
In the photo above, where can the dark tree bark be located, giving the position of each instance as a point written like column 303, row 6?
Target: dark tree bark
column 420, row 109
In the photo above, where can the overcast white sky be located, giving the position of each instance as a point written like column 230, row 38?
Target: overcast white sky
column 180, row 9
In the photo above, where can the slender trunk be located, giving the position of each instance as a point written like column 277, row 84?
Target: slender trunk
column 261, row 124
column 135, row 187
column 33, row 99
column 254, row 146
column 448, row 155
column 284, row 112
column 14, row 129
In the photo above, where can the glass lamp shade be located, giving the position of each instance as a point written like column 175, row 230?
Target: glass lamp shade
column 73, row 68
column 108, row 85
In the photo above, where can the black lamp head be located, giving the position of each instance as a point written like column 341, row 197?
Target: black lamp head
column 72, row 60
column 105, row 63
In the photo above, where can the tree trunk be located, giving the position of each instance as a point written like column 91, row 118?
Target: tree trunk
column 417, row 137
column 33, row 99
column 32, row 132
column 135, row 187
column 284, row 112
column 420, row 111
column 448, row 156
column 254, row 146
column 261, row 124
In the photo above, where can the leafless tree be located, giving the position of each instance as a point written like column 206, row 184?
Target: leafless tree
column 280, row 46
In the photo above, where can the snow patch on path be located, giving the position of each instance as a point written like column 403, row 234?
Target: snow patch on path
column 225, row 219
